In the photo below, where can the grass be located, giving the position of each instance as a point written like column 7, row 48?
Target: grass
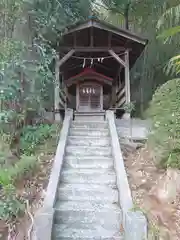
column 15, row 170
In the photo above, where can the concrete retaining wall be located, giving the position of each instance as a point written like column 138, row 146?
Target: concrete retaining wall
column 134, row 223
column 44, row 219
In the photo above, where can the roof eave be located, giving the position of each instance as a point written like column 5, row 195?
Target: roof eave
column 108, row 27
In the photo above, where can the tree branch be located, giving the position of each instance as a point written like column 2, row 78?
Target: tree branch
column 101, row 5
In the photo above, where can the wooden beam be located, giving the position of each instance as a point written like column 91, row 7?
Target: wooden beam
column 101, row 99
column 127, row 78
column 121, row 93
column 93, row 49
column 69, row 82
column 74, row 39
column 109, row 39
column 65, row 58
column 121, row 102
column 71, row 67
column 77, row 97
column 112, row 53
column 91, row 37
column 121, row 32
column 110, row 28
column 102, row 66
column 113, row 94
column 114, row 85
column 87, row 24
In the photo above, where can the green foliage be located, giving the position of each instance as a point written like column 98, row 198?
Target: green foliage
column 169, row 18
column 10, row 205
column 32, row 136
column 26, row 165
column 173, row 67
column 9, row 13
column 164, row 107
column 144, row 18
column 165, row 115
column 129, row 107
column 26, row 86
column 50, row 17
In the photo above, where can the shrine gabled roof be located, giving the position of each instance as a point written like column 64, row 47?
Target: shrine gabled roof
column 97, row 34
column 89, row 74
column 103, row 25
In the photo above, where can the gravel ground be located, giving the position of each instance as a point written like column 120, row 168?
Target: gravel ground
column 163, row 218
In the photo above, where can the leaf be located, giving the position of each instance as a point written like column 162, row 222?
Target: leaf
column 170, row 17
column 173, row 67
column 169, row 33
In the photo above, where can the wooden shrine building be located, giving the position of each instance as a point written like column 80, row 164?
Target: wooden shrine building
column 92, row 69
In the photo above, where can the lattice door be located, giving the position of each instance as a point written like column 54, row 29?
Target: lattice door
column 90, row 97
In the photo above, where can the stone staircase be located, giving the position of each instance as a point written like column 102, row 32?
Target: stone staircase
column 87, row 204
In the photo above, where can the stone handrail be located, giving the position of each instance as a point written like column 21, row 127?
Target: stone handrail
column 134, row 222
column 44, row 219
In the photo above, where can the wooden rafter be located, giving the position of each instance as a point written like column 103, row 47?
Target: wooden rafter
column 65, row 58
column 107, row 27
column 92, row 37
column 93, row 49
column 75, row 39
column 109, row 39
column 117, row 58
column 124, row 33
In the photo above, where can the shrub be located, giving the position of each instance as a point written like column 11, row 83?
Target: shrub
column 165, row 114
column 10, row 205
column 25, row 165
column 32, row 136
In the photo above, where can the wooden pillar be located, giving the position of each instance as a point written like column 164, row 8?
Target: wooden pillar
column 57, row 86
column 113, row 92
column 66, row 98
column 127, row 83
column 77, row 97
column 122, row 64
column 56, row 92
column 127, row 78
column 101, row 99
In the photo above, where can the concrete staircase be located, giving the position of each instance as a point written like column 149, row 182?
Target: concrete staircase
column 87, row 199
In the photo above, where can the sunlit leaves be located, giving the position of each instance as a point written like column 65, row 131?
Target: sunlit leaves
column 170, row 18
column 173, row 67
column 169, row 33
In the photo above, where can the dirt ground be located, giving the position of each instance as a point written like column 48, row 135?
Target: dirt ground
column 146, row 181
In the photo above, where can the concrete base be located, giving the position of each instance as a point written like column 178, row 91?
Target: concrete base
column 49, row 116
column 126, row 116
column 89, row 116
column 58, row 118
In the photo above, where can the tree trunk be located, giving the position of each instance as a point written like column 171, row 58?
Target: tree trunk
column 126, row 15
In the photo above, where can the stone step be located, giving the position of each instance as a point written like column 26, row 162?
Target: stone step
column 90, row 133
column 91, row 124
column 88, row 151
column 96, row 176
column 63, row 216
column 88, row 162
column 84, row 192
column 88, row 232
column 86, row 116
column 89, row 128
column 88, row 141
column 90, row 207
